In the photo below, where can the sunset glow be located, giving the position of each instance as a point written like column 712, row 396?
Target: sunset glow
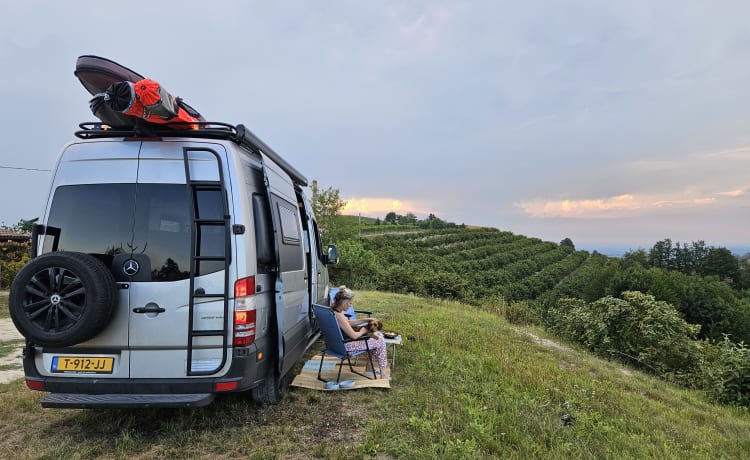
column 626, row 205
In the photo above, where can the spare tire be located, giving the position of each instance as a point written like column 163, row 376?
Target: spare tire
column 62, row 298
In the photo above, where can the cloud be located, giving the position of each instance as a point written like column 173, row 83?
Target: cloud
column 626, row 205
column 732, row 193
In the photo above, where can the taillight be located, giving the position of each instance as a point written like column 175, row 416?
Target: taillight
column 244, row 287
column 35, row 384
column 226, row 386
column 244, row 312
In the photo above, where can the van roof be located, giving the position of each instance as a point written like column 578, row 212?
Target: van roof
column 238, row 134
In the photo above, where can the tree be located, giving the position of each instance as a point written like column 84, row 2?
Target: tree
column 684, row 259
column 327, row 205
column 23, row 226
column 391, row 218
column 660, row 255
column 635, row 258
column 568, row 242
column 722, row 263
column 409, row 218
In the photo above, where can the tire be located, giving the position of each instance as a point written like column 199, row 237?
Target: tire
column 273, row 388
column 62, row 298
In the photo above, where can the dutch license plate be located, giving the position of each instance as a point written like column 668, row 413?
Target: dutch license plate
column 83, row 364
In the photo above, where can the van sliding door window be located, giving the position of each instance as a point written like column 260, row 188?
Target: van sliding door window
column 290, row 247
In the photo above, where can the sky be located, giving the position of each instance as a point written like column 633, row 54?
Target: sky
column 617, row 123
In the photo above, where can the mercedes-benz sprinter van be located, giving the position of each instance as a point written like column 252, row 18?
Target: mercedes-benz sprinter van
column 169, row 265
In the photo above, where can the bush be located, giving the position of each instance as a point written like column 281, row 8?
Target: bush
column 444, row 285
column 402, row 279
column 13, row 256
column 637, row 329
column 359, row 263
column 522, row 313
column 8, row 271
column 705, row 301
column 726, row 372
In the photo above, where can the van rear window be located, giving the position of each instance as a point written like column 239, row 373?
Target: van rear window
column 153, row 220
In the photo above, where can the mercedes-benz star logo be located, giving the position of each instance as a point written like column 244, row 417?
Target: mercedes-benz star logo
column 131, row 267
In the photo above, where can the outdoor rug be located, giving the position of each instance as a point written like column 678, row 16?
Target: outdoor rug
column 308, row 377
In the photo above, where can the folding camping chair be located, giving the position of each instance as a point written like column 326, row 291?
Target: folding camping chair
column 351, row 313
column 335, row 342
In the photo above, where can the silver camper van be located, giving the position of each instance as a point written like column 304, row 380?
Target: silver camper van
column 169, row 266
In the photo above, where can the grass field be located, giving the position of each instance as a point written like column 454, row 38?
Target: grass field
column 468, row 385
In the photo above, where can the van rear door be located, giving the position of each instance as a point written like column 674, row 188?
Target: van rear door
column 162, row 251
column 92, row 196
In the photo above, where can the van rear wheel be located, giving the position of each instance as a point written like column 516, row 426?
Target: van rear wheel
column 62, row 298
column 272, row 390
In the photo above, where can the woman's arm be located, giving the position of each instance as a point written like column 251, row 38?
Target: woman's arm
column 362, row 322
column 346, row 326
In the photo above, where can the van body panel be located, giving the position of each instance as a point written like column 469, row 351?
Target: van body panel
column 292, row 299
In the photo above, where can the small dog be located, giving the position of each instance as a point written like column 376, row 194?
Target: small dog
column 373, row 326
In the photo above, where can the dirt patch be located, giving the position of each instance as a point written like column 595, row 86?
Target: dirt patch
column 544, row 342
column 8, row 331
column 10, row 363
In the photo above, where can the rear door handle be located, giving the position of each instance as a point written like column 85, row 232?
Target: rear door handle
column 149, row 309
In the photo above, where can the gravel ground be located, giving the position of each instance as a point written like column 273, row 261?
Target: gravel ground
column 10, row 364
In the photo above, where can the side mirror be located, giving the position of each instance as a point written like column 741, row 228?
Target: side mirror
column 333, row 255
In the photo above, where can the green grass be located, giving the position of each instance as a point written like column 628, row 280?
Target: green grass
column 468, row 385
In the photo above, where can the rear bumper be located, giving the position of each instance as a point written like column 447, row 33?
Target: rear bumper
column 95, row 386
column 92, row 391
column 124, row 401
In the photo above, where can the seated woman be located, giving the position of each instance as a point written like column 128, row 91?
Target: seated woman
column 341, row 302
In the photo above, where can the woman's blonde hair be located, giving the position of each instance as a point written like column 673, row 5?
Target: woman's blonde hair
column 343, row 294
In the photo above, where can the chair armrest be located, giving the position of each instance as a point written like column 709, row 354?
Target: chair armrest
column 348, row 339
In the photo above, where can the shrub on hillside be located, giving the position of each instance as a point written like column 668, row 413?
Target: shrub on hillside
column 725, row 373
column 444, row 285
column 701, row 300
column 403, row 279
column 523, row 313
column 636, row 328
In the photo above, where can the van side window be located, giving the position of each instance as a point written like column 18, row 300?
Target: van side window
column 290, row 246
column 263, row 237
column 289, row 224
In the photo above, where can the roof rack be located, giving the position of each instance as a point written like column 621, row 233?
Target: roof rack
column 238, row 134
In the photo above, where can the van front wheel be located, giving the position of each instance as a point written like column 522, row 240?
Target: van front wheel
column 62, row 298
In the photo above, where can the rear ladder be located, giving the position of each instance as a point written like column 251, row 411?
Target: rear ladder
column 197, row 256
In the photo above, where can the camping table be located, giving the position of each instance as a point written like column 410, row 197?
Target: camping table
column 393, row 343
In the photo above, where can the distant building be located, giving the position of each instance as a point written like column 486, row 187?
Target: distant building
column 10, row 235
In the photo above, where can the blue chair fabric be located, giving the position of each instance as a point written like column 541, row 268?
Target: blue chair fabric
column 335, row 342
